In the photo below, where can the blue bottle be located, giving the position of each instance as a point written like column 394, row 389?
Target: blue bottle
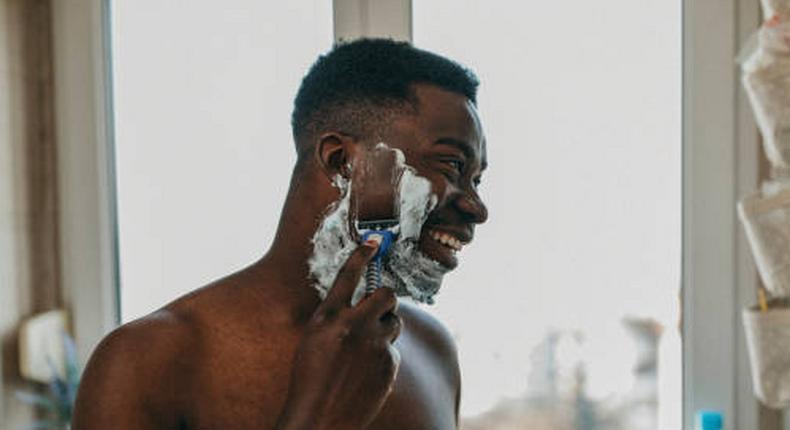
column 710, row 420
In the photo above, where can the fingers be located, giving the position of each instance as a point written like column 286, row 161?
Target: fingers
column 379, row 310
column 375, row 314
column 378, row 303
column 348, row 277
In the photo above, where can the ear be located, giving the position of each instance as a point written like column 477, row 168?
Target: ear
column 335, row 153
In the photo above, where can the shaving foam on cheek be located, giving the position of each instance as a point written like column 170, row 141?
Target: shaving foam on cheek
column 407, row 270
column 332, row 242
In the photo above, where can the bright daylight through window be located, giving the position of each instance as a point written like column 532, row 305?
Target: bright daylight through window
column 567, row 310
column 202, row 119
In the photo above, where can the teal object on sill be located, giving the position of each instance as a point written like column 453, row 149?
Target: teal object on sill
column 710, row 420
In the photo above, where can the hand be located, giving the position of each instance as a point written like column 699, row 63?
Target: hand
column 345, row 365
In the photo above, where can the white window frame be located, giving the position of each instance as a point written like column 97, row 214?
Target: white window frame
column 86, row 181
column 720, row 165
column 372, row 18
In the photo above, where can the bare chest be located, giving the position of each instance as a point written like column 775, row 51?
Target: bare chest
column 240, row 387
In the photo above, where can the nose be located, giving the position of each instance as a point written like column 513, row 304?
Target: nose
column 472, row 207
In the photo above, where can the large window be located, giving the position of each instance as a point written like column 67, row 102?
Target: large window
column 566, row 308
column 203, row 98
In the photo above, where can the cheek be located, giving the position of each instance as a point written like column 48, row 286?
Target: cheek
column 440, row 185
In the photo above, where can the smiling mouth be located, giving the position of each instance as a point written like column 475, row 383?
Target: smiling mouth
column 447, row 239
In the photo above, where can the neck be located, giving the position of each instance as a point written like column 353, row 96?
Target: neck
column 285, row 266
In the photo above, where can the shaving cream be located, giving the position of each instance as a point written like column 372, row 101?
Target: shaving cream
column 406, row 269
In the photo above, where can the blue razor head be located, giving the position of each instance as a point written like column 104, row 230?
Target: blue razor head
column 377, row 224
column 387, row 238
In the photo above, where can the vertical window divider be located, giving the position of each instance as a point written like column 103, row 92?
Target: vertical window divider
column 85, row 168
column 719, row 165
column 369, row 18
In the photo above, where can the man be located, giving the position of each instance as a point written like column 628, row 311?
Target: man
column 260, row 349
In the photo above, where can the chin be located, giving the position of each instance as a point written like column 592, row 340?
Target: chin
column 414, row 273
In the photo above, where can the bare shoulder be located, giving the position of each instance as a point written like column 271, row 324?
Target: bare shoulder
column 169, row 339
column 117, row 383
column 159, row 344
column 435, row 342
column 153, row 339
column 430, row 333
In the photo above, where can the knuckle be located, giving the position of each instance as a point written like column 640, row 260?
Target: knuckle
column 348, row 333
column 316, row 320
column 315, row 325
column 334, row 322
column 323, row 316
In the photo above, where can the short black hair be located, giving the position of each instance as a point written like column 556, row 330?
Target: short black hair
column 358, row 84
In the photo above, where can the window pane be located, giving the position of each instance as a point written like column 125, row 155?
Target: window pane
column 202, row 113
column 566, row 309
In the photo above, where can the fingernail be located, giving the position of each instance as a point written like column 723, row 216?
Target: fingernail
column 373, row 242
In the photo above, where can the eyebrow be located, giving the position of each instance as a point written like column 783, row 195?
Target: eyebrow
column 463, row 146
column 460, row 144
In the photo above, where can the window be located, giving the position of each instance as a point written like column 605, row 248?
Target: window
column 203, row 142
column 567, row 309
column 560, row 66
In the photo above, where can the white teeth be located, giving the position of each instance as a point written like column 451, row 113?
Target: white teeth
column 446, row 240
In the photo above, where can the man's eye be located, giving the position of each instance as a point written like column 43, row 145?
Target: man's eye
column 457, row 165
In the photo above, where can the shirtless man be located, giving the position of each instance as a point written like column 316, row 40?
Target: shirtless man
column 260, row 349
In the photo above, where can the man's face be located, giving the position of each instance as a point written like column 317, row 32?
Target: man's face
column 443, row 149
column 444, row 143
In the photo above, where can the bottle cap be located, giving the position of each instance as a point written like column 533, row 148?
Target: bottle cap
column 710, row 420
